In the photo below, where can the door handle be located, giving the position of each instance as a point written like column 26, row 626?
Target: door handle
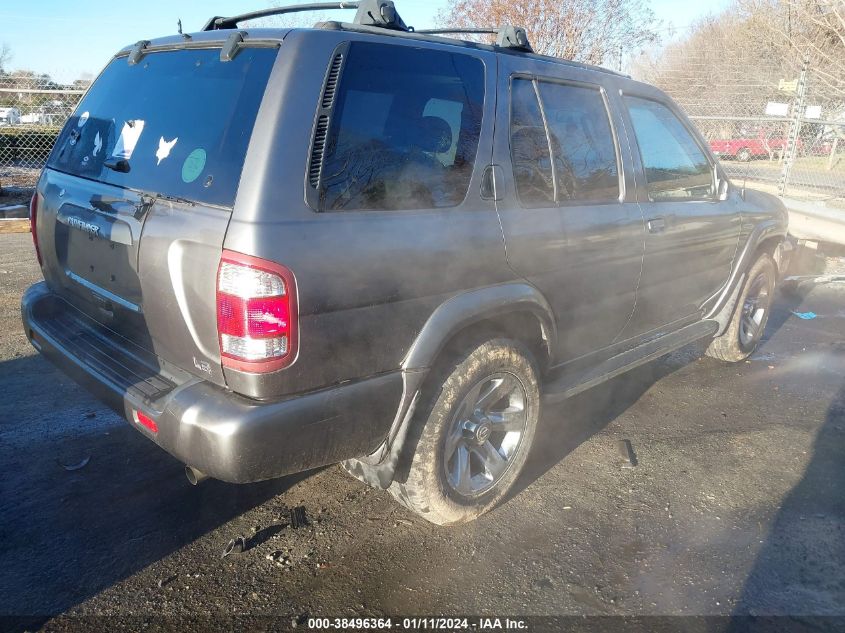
column 656, row 225
column 491, row 181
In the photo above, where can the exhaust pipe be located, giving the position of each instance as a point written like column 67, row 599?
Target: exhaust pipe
column 194, row 476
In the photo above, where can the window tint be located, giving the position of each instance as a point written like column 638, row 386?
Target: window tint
column 532, row 166
column 675, row 166
column 582, row 142
column 405, row 129
column 181, row 120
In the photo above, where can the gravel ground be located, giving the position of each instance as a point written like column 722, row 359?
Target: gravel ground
column 735, row 507
column 19, row 176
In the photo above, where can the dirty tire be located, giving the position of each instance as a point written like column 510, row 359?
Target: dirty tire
column 425, row 488
column 730, row 346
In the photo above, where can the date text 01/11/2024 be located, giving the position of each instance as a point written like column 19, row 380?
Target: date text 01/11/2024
column 419, row 624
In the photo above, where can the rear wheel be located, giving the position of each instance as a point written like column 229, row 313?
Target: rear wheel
column 750, row 316
column 744, row 155
column 471, row 441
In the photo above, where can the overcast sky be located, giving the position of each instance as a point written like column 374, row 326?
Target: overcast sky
column 68, row 39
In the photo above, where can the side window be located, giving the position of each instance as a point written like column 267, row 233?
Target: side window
column 532, row 166
column 582, row 142
column 675, row 166
column 404, row 133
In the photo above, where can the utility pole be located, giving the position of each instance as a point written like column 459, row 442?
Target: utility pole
column 794, row 128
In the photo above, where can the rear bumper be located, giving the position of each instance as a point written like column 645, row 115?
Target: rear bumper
column 216, row 431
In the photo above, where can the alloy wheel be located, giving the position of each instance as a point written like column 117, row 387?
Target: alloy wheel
column 485, row 434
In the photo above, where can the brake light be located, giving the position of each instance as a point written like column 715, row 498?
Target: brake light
column 257, row 319
column 33, row 224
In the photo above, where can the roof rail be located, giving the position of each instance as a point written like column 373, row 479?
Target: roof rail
column 220, row 22
column 507, row 36
column 489, row 31
column 381, row 13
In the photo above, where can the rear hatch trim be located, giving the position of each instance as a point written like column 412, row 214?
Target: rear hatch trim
column 127, row 367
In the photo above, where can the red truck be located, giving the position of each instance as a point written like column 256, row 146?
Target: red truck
column 745, row 149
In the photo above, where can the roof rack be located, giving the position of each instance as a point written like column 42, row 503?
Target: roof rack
column 376, row 13
column 381, row 13
column 488, row 31
column 507, row 36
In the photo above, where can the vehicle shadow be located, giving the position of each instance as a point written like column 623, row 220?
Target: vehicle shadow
column 799, row 569
column 564, row 426
column 71, row 529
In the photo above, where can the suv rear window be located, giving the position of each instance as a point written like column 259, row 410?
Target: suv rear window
column 404, row 132
column 181, row 121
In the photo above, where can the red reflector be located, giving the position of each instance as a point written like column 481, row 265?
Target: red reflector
column 146, row 421
column 33, row 224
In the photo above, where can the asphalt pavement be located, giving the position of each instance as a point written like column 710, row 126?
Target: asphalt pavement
column 736, row 505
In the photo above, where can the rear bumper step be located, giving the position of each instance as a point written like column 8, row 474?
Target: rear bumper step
column 131, row 370
column 214, row 430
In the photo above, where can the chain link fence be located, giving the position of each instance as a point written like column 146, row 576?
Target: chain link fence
column 33, row 109
column 780, row 129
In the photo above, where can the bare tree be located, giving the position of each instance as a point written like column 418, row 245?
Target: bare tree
column 722, row 66
column 5, row 56
column 811, row 30
column 592, row 31
column 733, row 63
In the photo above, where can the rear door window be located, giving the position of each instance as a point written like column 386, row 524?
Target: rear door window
column 532, row 164
column 582, row 143
column 405, row 128
column 179, row 120
column 675, row 166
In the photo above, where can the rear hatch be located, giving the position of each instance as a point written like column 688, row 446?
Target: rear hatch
column 136, row 197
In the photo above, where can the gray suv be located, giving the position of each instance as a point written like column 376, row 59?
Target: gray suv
column 276, row 249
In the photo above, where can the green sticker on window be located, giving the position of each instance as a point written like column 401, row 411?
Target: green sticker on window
column 193, row 165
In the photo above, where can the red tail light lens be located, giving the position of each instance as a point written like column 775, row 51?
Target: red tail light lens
column 146, row 421
column 256, row 313
column 33, row 224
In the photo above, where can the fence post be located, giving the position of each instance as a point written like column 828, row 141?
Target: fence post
column 794, row 129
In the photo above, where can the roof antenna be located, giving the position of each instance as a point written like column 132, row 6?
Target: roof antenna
column 179, row 26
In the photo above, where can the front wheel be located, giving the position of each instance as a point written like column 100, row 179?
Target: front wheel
column 471, row 441
column 750, row 315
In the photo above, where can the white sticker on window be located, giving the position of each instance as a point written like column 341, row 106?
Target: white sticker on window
column 83, row 119
column 98, row 144
column 164, row 148
column 128, row 139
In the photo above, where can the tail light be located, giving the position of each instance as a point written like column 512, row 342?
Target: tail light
column 257, row 318
column 33, row 224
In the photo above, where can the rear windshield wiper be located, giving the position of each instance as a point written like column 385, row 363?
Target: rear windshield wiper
column 152, row 197
column 121, row 165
